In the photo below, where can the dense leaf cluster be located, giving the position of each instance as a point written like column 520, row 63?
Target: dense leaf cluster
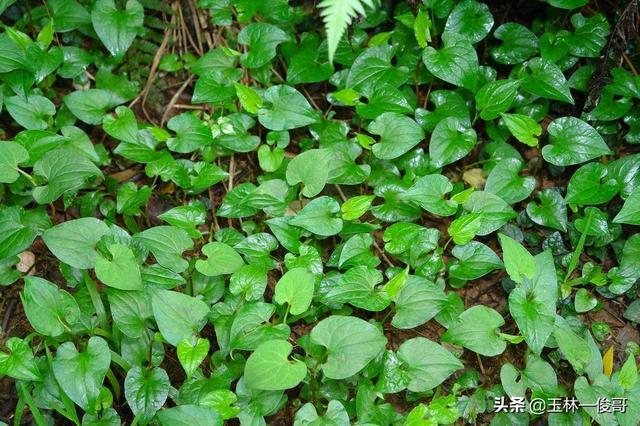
column 429, row 207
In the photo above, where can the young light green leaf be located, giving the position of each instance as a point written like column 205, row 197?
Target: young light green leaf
column 221, row 260
column 584, row 302
column 295, row 288
column 191, row 352
column 351, row 344
column 422, row 28
column 19, row 362
column 518, row 262
column 574, row 347
column 477, row 329
column 465, row 228
column 249, row 98
column 122, row 271
column 628, row 376
column 395, row 284
column 356, row 206
column 269, row 369
column 533, row 303
column 523, row 128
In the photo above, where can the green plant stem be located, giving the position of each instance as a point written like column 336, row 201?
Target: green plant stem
column 114, row 383
column 97, row 301
column 35, row 412
column 286, row 314
column 123, row 363
column 573, row 263
column 27, row 175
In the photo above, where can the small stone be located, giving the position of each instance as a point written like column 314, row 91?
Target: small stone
column 27, row 260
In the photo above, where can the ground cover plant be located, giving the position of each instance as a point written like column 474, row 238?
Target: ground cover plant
column 319, row 213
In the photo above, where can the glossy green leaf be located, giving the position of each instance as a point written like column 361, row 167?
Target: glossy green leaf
column 191, row 352
column 429, row 192
column 117, row 27
column 630, row 212
column 572, row 141
column 471, row 20
column 518, row 44
column 543, row 78
column 455, row 63
column 505, row 181
column 262, row 39
column 398, row 134
column 496, row 97
column 451, row 140
column 590, row 185
column 474, row 261
column 146, row 391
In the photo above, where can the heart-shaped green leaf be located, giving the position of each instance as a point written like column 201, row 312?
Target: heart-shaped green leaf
column 269, row 369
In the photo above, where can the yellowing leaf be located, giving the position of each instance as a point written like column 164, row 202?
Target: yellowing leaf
column 607, row 362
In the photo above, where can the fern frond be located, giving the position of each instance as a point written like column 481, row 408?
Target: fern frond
column 337, row 16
